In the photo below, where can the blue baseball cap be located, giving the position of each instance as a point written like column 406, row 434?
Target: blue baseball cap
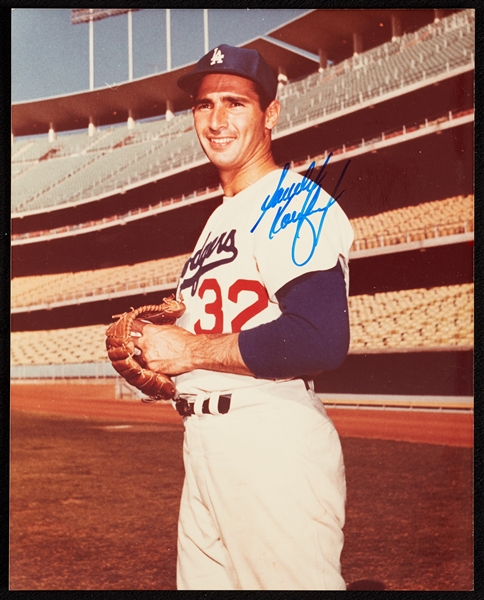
column 235, row 61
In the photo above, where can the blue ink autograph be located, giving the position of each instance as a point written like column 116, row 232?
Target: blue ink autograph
column 281, row 198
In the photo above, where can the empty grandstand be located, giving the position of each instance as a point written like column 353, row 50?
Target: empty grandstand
column 427, row 221
column 106, row 219
column 119, row 158
column 409, row 320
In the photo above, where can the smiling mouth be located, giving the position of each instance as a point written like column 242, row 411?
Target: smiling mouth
column 221, row 141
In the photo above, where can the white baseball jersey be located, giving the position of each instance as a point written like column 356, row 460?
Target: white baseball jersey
column 279, row 228
column 263, row 500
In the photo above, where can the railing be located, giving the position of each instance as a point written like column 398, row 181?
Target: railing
column 152, row 209
column 118, row 219
column 310, row 114
column 380, row 240
column 414, row 235
column 407, row 320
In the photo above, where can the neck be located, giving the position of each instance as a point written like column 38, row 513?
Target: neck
column 234, row 182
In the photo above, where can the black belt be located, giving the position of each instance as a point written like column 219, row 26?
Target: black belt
column 186, row 408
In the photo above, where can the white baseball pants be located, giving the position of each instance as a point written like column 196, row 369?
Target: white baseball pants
column 263, row 501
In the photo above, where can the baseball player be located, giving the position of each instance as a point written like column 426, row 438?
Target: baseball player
column 265, row 290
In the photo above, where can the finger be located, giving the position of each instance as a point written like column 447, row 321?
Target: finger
column 137, row 327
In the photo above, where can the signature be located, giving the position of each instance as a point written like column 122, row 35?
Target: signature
column 281, row 199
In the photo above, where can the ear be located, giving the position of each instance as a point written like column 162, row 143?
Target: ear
column 272, row 114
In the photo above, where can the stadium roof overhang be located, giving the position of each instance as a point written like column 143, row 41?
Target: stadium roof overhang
column 292, row 49
column 332, row 30
column 141, row 98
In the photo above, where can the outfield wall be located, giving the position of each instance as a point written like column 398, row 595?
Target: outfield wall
column 432, row 373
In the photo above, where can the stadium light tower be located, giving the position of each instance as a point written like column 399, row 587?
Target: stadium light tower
column 91, row 50
column 168, row 39
column 205, row 30
column 89, row 15
column 130, row 45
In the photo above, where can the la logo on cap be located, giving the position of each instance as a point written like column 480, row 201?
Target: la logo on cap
column 217, row 57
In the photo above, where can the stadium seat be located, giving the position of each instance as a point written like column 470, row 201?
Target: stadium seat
column 116, row 157
column 412, row 223
column 417, row 319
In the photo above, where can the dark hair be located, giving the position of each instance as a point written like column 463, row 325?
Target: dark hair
column 264, row 99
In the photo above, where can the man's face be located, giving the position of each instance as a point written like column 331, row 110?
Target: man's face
column 233, row 130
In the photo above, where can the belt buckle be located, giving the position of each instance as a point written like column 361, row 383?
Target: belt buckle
column 224, row 401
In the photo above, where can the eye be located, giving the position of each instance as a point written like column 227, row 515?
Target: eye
column 234, row 102
column 202, row 105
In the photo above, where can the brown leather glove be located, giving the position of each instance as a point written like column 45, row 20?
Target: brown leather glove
column 126, row 358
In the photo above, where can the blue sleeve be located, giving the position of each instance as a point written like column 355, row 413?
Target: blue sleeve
column 311, row 335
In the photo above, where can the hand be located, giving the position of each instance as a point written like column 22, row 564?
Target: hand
column 167, row 348
column 173, row 350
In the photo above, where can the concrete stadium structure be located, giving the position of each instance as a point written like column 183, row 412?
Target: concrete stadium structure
column 110, row 199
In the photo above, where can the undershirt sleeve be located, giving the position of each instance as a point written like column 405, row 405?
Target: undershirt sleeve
column 311, row 335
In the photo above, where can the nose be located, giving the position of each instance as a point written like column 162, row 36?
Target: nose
column 218, row 118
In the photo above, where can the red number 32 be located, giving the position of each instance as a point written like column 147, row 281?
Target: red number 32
column 215, row 308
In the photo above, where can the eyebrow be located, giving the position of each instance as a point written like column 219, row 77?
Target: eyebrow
column 225, row 98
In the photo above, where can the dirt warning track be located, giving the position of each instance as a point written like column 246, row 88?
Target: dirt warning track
column 97, row 400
